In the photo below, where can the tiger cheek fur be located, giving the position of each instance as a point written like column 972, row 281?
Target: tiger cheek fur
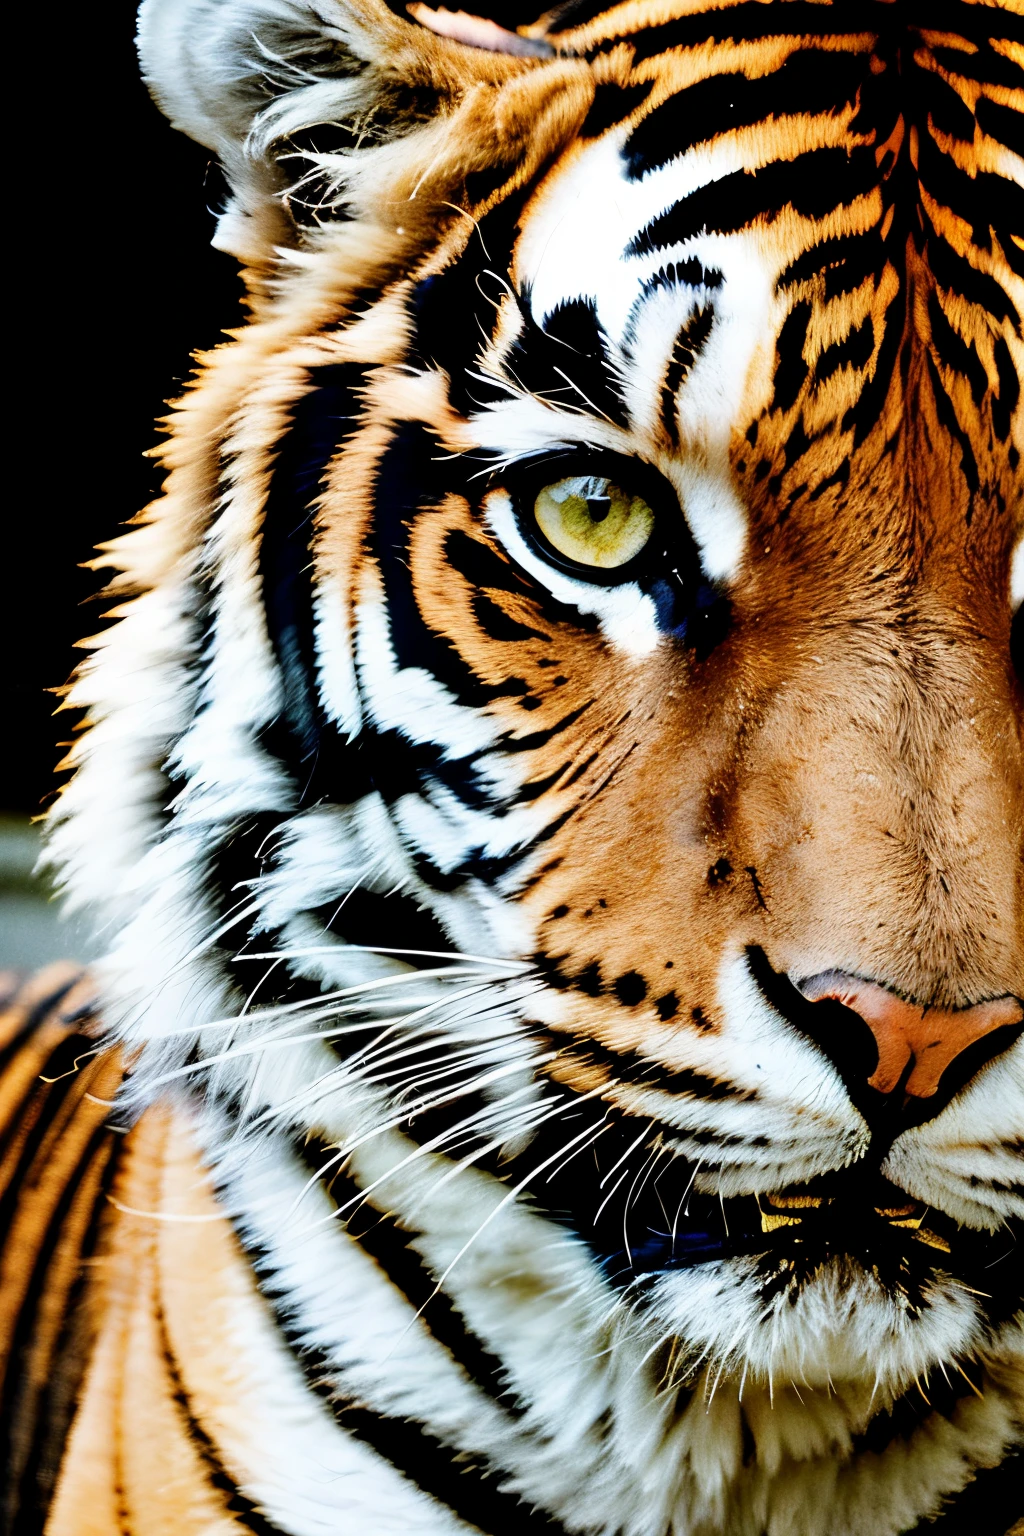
column 557, row 788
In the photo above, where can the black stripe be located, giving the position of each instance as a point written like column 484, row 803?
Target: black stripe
column 611, row 105
column 845, row 262
column 532, row 789
column 954, row 352
column 946, row 413
column 538, row 739
column 33, row 1017
column 489, row 868
column 813, row 184
column 954, row 272
column 690, row 273
column 466, row 291
column 567, row 359
column 981, row 200
column 374, row 917
column 245, row 852
column 1001, row 123
column 60, row 1067
column 70, row 1351
column 948, row 111
column 484, row 566
column 988, row 66
column 863, row 415
column 810, row 81
column 413, row 476
column 854, row 351
column 381, row 1236
column 461, row 1481
column 753, row 21
column 633, row 1068
column 248, row 1514
column 321, row 420
column 28, row 1486
column 689, row 344
column 1005, row 402
column 498, row 625
column 790, row 368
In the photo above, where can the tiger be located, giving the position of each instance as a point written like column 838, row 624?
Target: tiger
column 552, row 800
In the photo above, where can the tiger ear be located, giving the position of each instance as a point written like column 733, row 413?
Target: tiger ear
column 245, row 77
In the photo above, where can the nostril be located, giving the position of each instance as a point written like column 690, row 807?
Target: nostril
column 838, row 1031
column 900, row 1062
column 918, row 1045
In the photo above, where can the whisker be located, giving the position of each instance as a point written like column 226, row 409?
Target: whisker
column 634, row 1193
column 423, row 1149
column 272, row 1041
column 517, row 966
column 322, row 1002
column 425, row 1105
column 345, row 1069
column 631, row 1148
column 511, row 1195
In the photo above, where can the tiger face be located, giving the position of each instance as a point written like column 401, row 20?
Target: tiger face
column 570, row 738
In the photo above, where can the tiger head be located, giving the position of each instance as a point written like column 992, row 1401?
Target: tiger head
column 586, row 602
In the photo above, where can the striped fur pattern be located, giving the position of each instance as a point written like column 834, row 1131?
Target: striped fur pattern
column 455, row 891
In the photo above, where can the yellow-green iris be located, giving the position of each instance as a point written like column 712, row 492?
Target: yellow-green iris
column 590, row 519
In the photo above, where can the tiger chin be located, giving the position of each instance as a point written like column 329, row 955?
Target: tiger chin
column 554, row 795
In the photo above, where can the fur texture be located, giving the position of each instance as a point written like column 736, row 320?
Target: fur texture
column 460, row 900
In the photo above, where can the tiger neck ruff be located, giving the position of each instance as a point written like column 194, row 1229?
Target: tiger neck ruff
column 556, row 791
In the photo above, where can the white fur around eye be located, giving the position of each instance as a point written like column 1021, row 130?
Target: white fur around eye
column 1017, row 575
column 627, row 615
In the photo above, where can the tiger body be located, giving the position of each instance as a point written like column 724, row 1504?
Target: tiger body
column 557, row 789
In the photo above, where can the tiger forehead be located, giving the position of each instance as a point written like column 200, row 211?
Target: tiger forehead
column 781, row 238
column 674, row 341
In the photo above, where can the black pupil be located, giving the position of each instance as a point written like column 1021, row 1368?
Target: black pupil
column 598, row 507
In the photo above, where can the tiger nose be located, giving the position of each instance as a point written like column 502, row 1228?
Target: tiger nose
column 916, row 1044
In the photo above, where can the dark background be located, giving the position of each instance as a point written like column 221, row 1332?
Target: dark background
column 114, row 286
column 111, row 285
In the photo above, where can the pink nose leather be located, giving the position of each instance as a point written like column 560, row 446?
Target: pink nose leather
column 930, row 1038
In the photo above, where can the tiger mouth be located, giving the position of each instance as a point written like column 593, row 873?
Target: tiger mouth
column 803, row 1210
column 899, row 1239
column 852, row 1216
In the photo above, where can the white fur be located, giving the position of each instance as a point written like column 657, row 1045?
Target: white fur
column 967, row 1161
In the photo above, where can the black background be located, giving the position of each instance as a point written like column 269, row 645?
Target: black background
column 112, row 284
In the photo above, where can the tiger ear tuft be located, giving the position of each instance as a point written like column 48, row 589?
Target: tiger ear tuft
column 245, row 77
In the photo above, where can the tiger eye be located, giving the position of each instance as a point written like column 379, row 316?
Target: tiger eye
column 593, row 521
